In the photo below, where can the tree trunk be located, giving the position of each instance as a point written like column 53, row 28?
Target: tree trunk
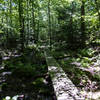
column 97, row 8
column 21, row 21
column 83, row 34
column 27, row 22
column 0, row 59
column 49, row 22
column 38, row 26
column 10, row 10
column 33, row 18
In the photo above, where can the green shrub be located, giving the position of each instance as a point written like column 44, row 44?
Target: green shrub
column 96, row 76
column 87, row 52
column 86, row 59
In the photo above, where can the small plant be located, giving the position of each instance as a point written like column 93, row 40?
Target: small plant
column 87, row 52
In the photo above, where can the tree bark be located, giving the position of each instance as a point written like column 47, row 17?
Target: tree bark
column 49, row 22
column 27, row 21
column 21, row 22
column 0, row 59
column 38, row 27
column 97, row 8
column 10, row 10
column 33, row 16
column 83, row 34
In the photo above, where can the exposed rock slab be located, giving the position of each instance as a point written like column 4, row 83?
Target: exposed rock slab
column 63, row 86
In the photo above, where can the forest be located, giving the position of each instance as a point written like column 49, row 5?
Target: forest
column 49, row 49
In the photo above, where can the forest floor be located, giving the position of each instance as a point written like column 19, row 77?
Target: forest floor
column 28, row 78
column 63, row 86
column 83, row 68
column 23, row 77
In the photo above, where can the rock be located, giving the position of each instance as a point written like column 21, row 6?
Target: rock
column 8, row 98
column 20, row 97
column 15, row 97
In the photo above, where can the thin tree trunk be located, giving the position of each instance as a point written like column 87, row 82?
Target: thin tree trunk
column 38, row 25
column 71, row 38
column 97, row 8
column 33, row 17
column 10, row 10
column 49, row 22
column 21, row 21
column 7, row 35
column 27, row 22
column 83, row 34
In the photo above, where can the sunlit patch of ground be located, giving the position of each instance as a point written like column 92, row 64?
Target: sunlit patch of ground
column 91, row 95
column 63, row 86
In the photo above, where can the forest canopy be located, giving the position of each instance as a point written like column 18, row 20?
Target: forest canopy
column 76, row 21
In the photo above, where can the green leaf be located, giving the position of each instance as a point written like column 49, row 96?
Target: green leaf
column 1, row 32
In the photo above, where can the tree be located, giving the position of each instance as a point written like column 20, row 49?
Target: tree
column 97, row 8
column 10, row 11
column 21, row 21
column 49, row 21
column 83, row 28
